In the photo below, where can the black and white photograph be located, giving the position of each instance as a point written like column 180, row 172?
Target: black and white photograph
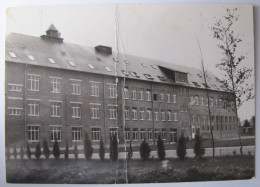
column 129, row 93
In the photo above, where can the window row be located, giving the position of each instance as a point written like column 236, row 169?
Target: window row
column 203, row 101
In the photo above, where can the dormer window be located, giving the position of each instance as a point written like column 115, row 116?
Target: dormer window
column 72, row 64
column 148, row 76
column 31, row 57
column 162, row 78
column 125, row 73
column 206, row 85
column 51, row 60
column 108, row 69
column 12, row 54
column 116, row 60
column 154, row 66
column 90, row 66
column 144, row 65
column 196, row 84
column 126, row 61
column 134, row 74
column 181, row 77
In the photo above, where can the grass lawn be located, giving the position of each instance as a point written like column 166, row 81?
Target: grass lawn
column 135, row 171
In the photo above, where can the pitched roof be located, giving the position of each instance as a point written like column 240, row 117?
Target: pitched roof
column 85, row 59
column 52, row 27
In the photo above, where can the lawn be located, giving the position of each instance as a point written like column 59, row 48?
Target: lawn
column 135, row 171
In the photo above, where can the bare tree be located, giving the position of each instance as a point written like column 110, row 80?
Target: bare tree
column 235, row 73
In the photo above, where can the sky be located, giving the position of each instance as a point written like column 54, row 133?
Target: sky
column 168, row 32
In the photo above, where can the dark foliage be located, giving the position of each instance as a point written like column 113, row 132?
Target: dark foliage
column 101, row 150
column 130, row 152
column 246, row 123
column 198, row 148
column 113, row 148
column 56, row 150
column 145, row 150
column 21, row 152
column 88, row 149
column 8, row 154
column 181, row 148
column 15, row 152
column 46, row 150
column 160, row 148
column 28, row 151
column 76, row 150
column 38, row 151
column 66, row 153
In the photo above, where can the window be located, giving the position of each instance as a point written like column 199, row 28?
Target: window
column 162, row 97
column 163, row 134
column 55, row 109
column 76, row 110
column 134, row 74
column 76, row 134
column 169, row 115
column 113, row 132
column 95, row 113
column 12, row 54
column 115, row 60
column 149, row 114
column 72, row 64
column 148, row 76
column 33, row 133
column 33, row 108
column 156, row 117
column 174, row 98
column 148, row 95
column 163, row 115
column 144, row 65
column 94, row 89
column 127, row 134
column 135, row 134
column 168, row 97
column 196, row 84
column 31, row 57
column 33, row 82
column 161, row 78
column 55, row 84
column 196, row 100
column 126, row 114
column 154, row 66
column 156, row 134
column 155, row 98
column 133, row 94
column 211, row 101
column 142, row 134
column 141, row 114
column 91, row 66
column 95, row 133
column 113, row 113
column 15, row 87
column 51, row 60
column 55, row 134
column 150, row 134
column 108, row 69
column 112, row 90
column 134, row 114
column 216, row 102
column 202, row 101
column 15, row 111
column 141, row 94
column 76, row 87
column 173, row 135
column 175, row 115
column 126, row 93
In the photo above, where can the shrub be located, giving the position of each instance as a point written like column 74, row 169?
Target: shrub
column 38, row 151
column 113, row 148
column 181, row 148
column 28, row 151
column 15, row 152
column 21, row 152
column 101, row 150
column 160, row 148
column 145, row 150
column 56, row 150
column 66, row 154
column 198, row 148
column 76, row 150
column 8, row 154
column 88, row 149
column 46, row 150
column 235, row 153
column 130, row 152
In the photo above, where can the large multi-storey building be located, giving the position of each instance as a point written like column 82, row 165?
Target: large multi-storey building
column 61, row 90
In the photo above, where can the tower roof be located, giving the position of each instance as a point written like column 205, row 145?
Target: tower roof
column 52, row 27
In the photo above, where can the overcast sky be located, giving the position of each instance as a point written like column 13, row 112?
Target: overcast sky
column 168, row 32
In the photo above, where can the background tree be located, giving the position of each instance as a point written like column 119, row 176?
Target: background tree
column 113, row 148
column 145, row 150
column 46, row 150
column 198, row 148
column 130, row 152
column 21, row 152
column 246, row 123
column 88, row 149
column 28, row 151
column 181, row 148
column 15, row 152
column 160, row 148
column 38, row 151
column 232, row 64
column 66, row 153
column 101, row 150
column 56, row 150
column 76, row 150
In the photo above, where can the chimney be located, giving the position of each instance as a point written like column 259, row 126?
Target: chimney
column 52, row 34
column 104, row 50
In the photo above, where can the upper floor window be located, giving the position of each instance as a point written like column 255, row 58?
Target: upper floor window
column 175, row 115
column 148, row 95
column 168, row 97
column 202, row 101
column 162, row 97
column 181, row 77
column 94, row 89
column 211, row 101
column 126, row 113
column 15, row 111
column 155, row 98
column 33, row 108
column 112, row 113
column 134, row 114
column 163, row 115
column 174, row 100
column 76, row 134
column 127, row 134
column 141, row 114
column 33, row 82
column 55, row 84
column 95, row 133
column 133, row 93
column 156, row 116
column 196, row 100
column 15, row 87
column 55, row 134
column 113, row 131
column 126, row 93
column 169, row 115
column 76, row 110
column 55, row 109
column 33, row 133
column 76, row 86
column 141, row 94
column 95, row 113
column 135, row 134
column 183, row 90
column 112, row 90
column 149, row 114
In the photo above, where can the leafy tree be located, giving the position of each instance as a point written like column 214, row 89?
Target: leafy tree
column 66, row 153
column 8, row 154
column 130, row 152
column 15, row 152
column 246, row 123
column 145, row 150
column 21, row 152
column 160, row 148
column 28, row 151
column 198, row 148
column 38, row 151
column 56, row 150
column 236, row 74
column 46, row 150
column 181, row 148
column 101, row 150
column 113, row 148
column 76, row 150
column 88, row 149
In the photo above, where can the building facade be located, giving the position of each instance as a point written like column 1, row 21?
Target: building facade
column 57, row 90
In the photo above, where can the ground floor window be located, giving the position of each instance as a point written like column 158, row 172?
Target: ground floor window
column 150, row 134
column 156, row 134
column 142, row 134
column 33, row 133
column 127, row 134
column 55, row 133
column 113, row 131
column 76, row 134
column 95, row 133
column 173, row 135
column 135, row 134
column 163, row 134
